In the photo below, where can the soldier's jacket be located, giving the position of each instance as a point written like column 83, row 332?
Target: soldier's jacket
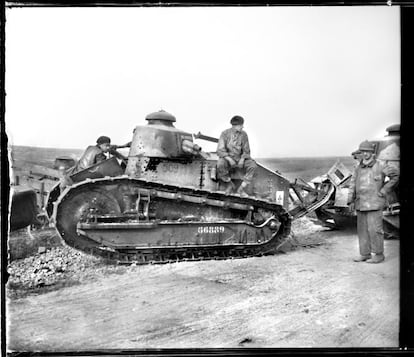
column 368, row 187
column 92, row 155
column 233, row 144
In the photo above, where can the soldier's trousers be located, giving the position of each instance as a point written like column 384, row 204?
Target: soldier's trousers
column 370, row 232
column 223, row 170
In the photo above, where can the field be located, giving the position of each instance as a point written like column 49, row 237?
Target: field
column 296, row 167
column 40, row 156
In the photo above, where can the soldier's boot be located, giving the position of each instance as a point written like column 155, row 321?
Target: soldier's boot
column 241, row 190
column 362, row 258
column 377, row 258
column 229, row 187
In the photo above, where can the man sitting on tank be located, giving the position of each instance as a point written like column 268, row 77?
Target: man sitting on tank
column 93, row 154
column 233, row 151
column 97, row 153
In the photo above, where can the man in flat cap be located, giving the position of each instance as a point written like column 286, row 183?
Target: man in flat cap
column 93, row 154
column 368, row 190
column 233, row 151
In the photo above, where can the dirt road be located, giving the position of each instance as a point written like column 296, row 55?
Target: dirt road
column 309, row 297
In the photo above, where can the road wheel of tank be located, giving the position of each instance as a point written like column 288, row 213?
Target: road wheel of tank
column 76, row 207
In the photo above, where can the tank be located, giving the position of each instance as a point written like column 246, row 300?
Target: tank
column 336, row 213
column 164, row 203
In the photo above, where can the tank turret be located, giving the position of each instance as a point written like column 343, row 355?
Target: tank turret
column 157, row 141
column 159, row 138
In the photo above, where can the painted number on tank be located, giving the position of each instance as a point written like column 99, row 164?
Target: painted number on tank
column 211, row 229
column 171, row 168
column 279, row 197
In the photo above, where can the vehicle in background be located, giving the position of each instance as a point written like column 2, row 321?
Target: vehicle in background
column 336, row 213
column 30, row 186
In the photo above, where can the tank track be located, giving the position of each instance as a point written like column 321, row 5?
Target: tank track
column 171, row 254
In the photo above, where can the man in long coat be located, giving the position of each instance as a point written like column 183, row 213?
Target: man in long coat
column 368, row 190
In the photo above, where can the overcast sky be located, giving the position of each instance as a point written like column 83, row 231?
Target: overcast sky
column 309, row 81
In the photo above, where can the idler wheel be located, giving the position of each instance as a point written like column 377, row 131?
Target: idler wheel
column 274, row 225
column 78, row 206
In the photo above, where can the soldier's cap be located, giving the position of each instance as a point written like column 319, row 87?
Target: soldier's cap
column 103, row 140
column 237, row 120
column 366, row 146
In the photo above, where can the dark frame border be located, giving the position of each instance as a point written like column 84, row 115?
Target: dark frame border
column 407, row 188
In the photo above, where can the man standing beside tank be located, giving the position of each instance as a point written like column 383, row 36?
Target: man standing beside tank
column 233, row 151
column 368, row 190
